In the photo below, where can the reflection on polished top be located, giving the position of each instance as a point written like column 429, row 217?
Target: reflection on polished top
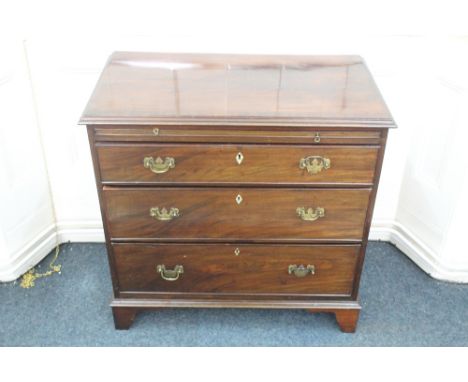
column 156, row 88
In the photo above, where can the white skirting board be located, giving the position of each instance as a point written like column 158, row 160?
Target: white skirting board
column 28, row 256
column 38, row 248
column 417, row 251
column 92, row 232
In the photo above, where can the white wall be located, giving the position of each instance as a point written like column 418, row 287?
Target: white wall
column 428, row 221
column 418, row 67
column 26, row 219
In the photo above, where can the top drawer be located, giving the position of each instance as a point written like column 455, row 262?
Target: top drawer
column 235, row 134
column 233, row 164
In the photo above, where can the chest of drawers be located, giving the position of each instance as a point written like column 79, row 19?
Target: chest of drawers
column 236, row 181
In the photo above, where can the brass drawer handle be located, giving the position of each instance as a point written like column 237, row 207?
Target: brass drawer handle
column 314, row 164
column 170, row 274
column 163, row 214
column 158, row 165
column 310, row 214
column 301, row 270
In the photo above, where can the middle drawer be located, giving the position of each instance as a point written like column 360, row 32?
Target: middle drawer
column 228, row 164
column 236, row 214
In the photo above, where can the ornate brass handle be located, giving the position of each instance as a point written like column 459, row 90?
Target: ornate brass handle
column 170, row 274
column 159, row 165
column 315, row 164
column 310, row 214
column 301, row 270
column 163, row 214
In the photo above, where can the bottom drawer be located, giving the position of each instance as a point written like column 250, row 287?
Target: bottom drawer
column 236, row 269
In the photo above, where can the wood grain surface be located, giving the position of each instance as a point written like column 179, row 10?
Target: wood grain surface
column 252, row 269
column 148, row 88
column 207, row 213
column 216, row 164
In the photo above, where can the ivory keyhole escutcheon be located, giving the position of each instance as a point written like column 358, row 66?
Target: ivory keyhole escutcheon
column 239, row 199
column 237, row 252
column 239, row 157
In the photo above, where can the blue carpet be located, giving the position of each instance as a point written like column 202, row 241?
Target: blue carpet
column 402, row 306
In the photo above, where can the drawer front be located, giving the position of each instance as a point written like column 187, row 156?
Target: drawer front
column 224, row 164
column 241, row 214
column 243, row 269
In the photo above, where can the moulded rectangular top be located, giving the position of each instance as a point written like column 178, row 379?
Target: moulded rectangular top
column 213, row 89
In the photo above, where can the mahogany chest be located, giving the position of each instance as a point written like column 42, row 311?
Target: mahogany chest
column 236, row 181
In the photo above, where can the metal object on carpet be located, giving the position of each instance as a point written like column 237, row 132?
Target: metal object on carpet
column 29, row 278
